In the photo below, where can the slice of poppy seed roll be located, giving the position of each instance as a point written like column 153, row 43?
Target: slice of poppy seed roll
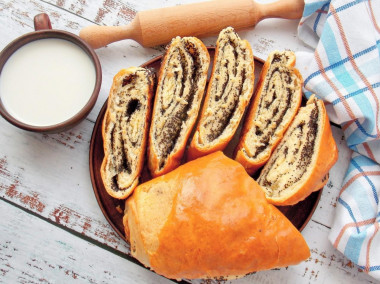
column 276, row 102
column 125, row 130
column 180, row 88
column 301, row 162
column 228, row 94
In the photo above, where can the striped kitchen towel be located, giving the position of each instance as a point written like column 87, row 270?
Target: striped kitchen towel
column 344, row 71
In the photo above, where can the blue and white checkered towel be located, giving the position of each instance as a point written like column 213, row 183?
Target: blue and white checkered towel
column 344, row 71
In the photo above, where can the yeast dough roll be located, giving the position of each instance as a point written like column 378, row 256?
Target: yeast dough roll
column 228, row 93
column 125, row 130
column 276, row 102
column 301, row 162
column 209, row 219
column 181, row 83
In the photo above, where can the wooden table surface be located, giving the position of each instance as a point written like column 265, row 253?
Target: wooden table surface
column 51, row 227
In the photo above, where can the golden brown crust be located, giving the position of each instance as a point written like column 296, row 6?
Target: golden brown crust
column 169, row 125
column 125, row 130
column 202, row 145
column 249, row 156
column 132, row 228
column 215, row 222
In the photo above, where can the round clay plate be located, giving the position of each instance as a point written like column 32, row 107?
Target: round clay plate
column 113, row 209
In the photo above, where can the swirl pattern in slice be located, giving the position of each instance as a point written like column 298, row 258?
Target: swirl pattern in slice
column 277, row 100
column 181, row 83
column 125, row 130
column 229, row 91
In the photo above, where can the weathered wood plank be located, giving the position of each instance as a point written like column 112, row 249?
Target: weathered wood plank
column 49, row 175
column 112, row 12
column 33, row 251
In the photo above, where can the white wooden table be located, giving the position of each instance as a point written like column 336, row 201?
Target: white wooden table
column 51, row 227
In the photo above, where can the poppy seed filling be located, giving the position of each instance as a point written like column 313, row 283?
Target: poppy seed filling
column 128, row 108
column 279, row 98
column 177, row 95
column 293, row 156
column 227, row 86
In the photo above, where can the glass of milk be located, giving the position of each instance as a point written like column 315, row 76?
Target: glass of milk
column 49, row 79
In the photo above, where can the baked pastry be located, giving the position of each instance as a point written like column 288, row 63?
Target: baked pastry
column 302, row 160
column 276, row 102
column 125, row 130
column 229, row 92
column 181, row 83
column 208, row 218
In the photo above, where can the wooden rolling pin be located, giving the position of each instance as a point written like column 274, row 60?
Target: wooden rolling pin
column 159, row 26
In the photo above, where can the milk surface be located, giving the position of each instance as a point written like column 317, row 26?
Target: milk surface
column 46, row 82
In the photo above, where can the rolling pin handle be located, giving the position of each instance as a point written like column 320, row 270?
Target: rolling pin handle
column 100, row 36
column 286, row 9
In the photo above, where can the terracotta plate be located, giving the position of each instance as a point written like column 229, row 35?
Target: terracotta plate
column 112, row 208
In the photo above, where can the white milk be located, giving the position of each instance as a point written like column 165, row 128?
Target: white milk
column 46, row 82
